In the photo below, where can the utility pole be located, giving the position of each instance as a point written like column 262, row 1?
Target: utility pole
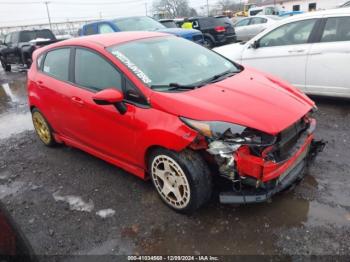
column 208, row 7
column 48, row 13
column 146, row 9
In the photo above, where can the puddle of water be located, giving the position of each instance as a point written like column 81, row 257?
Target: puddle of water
column 241, row 230
column 10, row 189
column 104, row 213
column 14, row 123
column 75, row 202
column 320, row 215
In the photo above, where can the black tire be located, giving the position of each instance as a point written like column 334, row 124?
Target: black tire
column 208, row 43
column 5, row 66
column 197, row 174
column 49, row 138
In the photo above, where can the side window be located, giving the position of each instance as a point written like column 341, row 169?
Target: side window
column 14, row 38
column 257, row 20
column 243, row 22
column 94, row 72
column 90, row 30
column 289, row 34
column 105, row 29
column 8, row 39
column 132, row 93
column 56, row 63
column 336, row 29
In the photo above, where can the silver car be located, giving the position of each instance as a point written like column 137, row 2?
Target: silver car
column 249, row 27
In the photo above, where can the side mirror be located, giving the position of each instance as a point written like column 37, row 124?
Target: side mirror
column 111, row 96
column 255, row 44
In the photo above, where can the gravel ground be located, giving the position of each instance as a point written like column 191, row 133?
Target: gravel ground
column 68, row 202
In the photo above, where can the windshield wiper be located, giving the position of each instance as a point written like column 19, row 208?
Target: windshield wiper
column 176, row 86
column 217, row 77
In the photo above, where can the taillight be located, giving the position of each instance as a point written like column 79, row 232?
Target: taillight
column 220, row 29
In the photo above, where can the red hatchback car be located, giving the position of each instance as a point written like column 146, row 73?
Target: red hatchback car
column 165, row 108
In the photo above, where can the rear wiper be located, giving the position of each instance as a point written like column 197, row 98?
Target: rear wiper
column 176, row 86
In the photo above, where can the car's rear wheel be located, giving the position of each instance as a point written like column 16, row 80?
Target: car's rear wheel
column 182, row 180
column 43, row 128
column 208, row 43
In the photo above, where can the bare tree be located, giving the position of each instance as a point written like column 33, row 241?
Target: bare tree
column 173, row 8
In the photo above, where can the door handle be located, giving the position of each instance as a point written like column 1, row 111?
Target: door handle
column 41, row 84
column 77, row 100
column 296, row 51
column 316, row 53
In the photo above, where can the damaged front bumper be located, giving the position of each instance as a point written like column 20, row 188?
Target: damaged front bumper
column 284, row 175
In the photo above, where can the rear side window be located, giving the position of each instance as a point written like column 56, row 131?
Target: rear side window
column 336, row 29
column 56, row 63
column 94, row 72
column 223, row 21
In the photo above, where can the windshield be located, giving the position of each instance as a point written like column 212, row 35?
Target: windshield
column 164, row 60
column 143, row 23
column 169, row 24
column 223, row 21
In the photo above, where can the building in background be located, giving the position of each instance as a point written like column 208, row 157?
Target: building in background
column 303, row 5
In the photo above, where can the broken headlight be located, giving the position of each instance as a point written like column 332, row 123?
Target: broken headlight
column 231, row 133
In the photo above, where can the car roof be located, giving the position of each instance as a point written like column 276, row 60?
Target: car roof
column 111, row 39
column 336, row 11
column 115, row 19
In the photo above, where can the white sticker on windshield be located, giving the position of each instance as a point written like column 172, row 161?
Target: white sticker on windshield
column 137, row 71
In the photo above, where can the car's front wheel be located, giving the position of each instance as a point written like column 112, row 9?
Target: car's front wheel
column 5, row 66
column 182, row 180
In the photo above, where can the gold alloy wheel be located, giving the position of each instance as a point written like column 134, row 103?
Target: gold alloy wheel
column 41, row 127
column 170, row 181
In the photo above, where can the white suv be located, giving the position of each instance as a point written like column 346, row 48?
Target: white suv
column 311, row 51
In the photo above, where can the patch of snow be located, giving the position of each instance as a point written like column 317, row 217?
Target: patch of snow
column 104, row 213
column 75, row 202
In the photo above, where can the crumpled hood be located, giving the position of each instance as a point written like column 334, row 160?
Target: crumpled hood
column 250, row 98
column 231, row 51
column 179, row 31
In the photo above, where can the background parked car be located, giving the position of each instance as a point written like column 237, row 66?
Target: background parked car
column 249, row 27
column 169, row 23
column 312, row 51
column 138, row 23
column 216, row 30
column 18, row 47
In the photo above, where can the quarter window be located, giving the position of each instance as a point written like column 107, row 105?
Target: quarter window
column 289, row 34
column 94, row 72
column 258, row 20
column 56, row 63
column 336, row 29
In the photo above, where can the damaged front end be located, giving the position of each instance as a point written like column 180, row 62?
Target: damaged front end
column 258, row 165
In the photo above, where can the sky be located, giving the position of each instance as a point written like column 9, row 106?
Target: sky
column 23, row 12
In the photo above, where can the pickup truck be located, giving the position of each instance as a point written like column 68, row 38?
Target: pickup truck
column 138, row 23
column 17, row 47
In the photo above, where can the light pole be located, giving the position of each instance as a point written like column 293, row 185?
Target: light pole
column 48, row 13
column 208, row 7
